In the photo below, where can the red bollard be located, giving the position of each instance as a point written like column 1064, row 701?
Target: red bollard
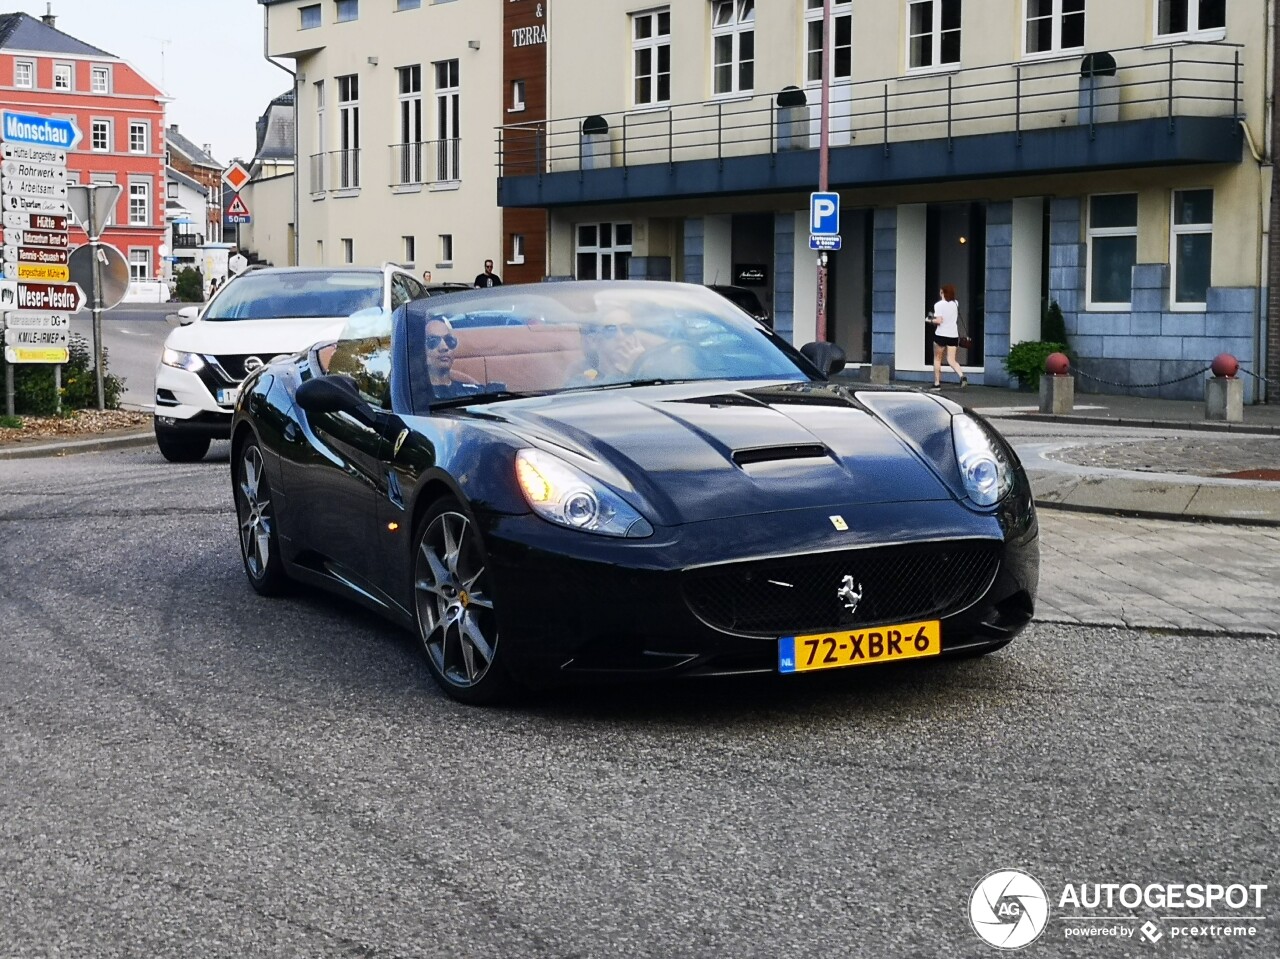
column 1057, row 386
column 1224, row 394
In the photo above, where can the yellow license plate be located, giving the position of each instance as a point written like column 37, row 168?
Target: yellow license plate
column 881, row 644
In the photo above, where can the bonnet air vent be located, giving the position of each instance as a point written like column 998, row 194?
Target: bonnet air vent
column 772, row 454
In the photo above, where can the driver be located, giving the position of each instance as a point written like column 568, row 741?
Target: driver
column 613, row 348
column 445, row 381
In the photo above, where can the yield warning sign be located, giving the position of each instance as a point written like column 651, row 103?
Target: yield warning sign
column 237, row 211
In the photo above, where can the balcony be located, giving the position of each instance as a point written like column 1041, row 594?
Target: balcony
column 333, row 171
column 1137, row 107
column 426, row 162
column 187, row 241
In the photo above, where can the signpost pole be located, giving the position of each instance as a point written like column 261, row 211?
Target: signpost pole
column 94, row 231
column 8, row 389
column 820, row 334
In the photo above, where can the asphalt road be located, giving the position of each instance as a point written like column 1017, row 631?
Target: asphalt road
column 134, row 335
column 191, row 770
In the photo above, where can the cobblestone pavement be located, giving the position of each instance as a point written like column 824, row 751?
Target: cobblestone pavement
column 1187, row 453
column 1158, row 574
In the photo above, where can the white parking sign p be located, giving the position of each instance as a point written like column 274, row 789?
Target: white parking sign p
column 824, row 214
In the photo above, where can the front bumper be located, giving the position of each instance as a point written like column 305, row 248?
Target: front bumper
column 187, row 405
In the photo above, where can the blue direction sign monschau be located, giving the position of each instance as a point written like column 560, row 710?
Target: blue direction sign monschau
column 56, row 132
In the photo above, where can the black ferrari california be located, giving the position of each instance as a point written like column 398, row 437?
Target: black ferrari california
column 627, row 479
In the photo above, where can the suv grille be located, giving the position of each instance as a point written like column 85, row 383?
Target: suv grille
column 801, row 594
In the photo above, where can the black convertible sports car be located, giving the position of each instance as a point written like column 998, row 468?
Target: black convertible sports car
column 627, row 478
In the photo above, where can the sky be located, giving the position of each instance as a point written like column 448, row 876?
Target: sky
column 205, row 54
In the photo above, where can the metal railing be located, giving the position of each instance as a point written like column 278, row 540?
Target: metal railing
column 336, row 170
column 1190, row 79
column 428, row 161
column 187, row 241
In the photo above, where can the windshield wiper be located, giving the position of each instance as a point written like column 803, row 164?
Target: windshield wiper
column 471, row 399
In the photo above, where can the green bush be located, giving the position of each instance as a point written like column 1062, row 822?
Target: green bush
column 33, row 390
column 1026, row 360
column 1053, row 328
column 190, row 286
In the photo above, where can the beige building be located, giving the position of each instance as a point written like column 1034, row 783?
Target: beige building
column 1112, row 158
column 396, row 104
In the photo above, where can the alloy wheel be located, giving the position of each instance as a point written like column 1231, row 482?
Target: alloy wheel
column 256, row 521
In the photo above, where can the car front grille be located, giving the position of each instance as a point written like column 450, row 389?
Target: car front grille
column 899, row 584
column 233, row 366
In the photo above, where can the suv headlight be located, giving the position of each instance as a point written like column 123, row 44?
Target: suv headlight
column 564, row 495
column 984, row 467
column 191, row 362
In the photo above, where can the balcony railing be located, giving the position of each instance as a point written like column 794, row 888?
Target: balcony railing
column 1192, row 79
column 428, row 161
column 187, row 241
column 336, row 170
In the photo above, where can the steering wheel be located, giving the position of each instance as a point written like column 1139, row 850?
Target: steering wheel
column 674, row 360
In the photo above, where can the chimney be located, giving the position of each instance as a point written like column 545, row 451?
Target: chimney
column 49, row 19
column 208, row 149
column 173, row 128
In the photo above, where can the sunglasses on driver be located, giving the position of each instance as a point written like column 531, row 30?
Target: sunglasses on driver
column 449, row 339
column 614, row 329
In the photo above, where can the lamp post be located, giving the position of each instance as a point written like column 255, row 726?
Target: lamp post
column 820, row 333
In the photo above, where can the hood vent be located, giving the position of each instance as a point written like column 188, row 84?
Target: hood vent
column 773, row 454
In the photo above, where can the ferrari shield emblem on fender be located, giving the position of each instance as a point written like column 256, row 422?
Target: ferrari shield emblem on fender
column 850, row 594
column 839, row 523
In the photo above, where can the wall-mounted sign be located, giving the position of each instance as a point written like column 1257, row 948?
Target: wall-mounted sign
column 750, row 274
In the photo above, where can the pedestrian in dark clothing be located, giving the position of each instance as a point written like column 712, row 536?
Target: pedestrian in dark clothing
column 488, row 277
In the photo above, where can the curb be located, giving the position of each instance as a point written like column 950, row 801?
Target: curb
column 1237, row 505
column 19, row 451
column 1207, row 426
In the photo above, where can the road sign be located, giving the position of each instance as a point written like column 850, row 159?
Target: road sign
column 824, row 214
column 8, row 295
column 54, row 132
column 37, row 321
column 39, row 188
column 20, row 336
column 235, row 176
column 34, row 254
column 817, row 242
column 29, row 204
column 56, row 239
column 237, row 263
column 34, row 221
column 238, row 211
column 37, row 354
column 94, row 204
column 62, row 297
column 40, row 272
column 115, row 273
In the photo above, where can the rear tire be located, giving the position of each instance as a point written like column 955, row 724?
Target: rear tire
column 454, row 608
column 182, row 449
column 255, row 513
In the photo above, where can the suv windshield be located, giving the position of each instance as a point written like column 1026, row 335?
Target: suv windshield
column 301, row 294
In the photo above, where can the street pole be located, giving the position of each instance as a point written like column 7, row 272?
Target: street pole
column 93, row 232
column 820, row 333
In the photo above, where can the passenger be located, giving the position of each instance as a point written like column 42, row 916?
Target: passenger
column 446, row 382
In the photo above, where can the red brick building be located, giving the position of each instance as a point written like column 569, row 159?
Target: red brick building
column 120, row 114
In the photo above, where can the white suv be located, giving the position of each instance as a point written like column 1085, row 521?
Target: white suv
column 254, row 317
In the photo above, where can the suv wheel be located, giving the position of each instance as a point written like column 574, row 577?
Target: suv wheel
column 182, row 449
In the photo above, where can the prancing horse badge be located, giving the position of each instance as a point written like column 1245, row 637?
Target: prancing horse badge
column 839, row 523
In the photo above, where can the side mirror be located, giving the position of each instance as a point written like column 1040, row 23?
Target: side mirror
column 827, row 357
column 187, row 315
column 334, row 394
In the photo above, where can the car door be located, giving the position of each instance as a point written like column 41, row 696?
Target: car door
column 343, row 476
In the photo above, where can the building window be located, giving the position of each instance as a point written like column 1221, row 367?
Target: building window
column 139, row 204
column 517, row 248
column 1174, row 17
column 100, row 135
column 408, row 4
column 137, row 137
column 348, row 132
column 409, row 80
column 651, row 57
column 347, row 10
column 1192, row 240
column 24, row 74
column 733, row 46
column 348, row 250
column 446, row 249
column 100, row 79
column 1113, row 249
column 517, row 96
column 933, row 34
column 62, row 76
column 1054, row 25
column 309, row 17
column 410, row 249
column 842, row 43
column 171, row 190
column 448, row 121
column 604, row 251
column 139, row 265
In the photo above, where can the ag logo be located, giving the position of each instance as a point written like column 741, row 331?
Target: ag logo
column 1008, row 909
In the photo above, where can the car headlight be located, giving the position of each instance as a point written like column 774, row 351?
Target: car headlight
column 984, row 467
column 191, row 362
column 566, row 496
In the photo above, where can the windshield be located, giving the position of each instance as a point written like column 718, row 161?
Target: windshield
column 584, row 336
column 296, row 294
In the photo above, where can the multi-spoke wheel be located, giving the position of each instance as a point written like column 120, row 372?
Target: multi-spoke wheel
column 455, row 608
column 259, row 544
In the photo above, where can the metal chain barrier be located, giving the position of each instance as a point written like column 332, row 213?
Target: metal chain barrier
column 1261, row 379
column 1139, row 386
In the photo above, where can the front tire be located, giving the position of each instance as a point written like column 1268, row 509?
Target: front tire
column 182, row 449
column 454, row 608
column 255, row 511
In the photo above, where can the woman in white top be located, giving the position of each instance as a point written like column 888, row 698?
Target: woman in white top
column 946, row 318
